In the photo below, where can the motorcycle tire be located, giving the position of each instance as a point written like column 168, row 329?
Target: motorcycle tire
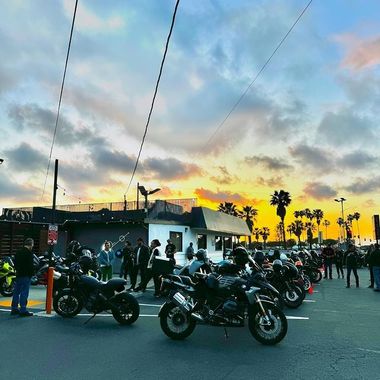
column 307, row 283
column 293, row 298
column 268, row 334
column 127, row 310
column 5, row 289
column 67, row 304
column 315, row 276
column 175, row 323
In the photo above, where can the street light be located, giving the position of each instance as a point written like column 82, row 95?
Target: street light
column 145, row 193
column 341, row 200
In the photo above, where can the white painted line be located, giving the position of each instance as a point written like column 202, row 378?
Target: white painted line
column 373, row 351
column 150, row 304
column 309, row 301
column 300, row 318
column 315, row 291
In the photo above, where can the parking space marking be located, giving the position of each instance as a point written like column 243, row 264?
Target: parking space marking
column 366, row 350
column 295, row 318
column 150, row 304
column 309, row 301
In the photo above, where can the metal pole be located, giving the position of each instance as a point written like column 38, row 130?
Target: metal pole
column 137, row 202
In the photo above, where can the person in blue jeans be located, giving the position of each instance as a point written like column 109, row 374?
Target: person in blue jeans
column 24, row 271
column 375, row 261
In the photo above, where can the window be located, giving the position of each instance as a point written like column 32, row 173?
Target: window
column 228, row 243
column 176, row 238
column 202, row 241
column 218, row 243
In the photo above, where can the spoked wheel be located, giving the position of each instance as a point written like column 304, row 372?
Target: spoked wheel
column 175, row 323
column 67, row 304
column 292, row 297
column 268, row 329
column 6, row 289
column 127, row 309
column 307, row 283
column 315, row 276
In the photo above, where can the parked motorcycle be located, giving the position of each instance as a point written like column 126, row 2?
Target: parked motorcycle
column 220, row 300
column 7, row 276
column 96, row 297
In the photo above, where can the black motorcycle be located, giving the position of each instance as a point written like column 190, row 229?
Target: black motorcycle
column 220, row 300
column 96, row 297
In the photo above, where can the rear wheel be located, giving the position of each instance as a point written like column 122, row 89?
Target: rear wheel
column 307, row 282
column 127, row 309
column 292, row 297
column 6, row 289
column 175, row 323
column 315, row 276
column 268, row 329
column 67, row 304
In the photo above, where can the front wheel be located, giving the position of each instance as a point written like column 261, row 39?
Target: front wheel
column 268, row 329
column 6, row 289
column 315, row 276
column 292, row 297
column 175, row 323
column 127, row 309
column 67, row 304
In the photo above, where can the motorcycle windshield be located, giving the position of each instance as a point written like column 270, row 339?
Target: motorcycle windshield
column 195, row 266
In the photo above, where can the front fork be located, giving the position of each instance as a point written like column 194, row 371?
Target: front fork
column 266, row 320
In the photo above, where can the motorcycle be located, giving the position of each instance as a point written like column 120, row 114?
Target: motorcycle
column 220, row 300
column 7, row 277
column 96, row 296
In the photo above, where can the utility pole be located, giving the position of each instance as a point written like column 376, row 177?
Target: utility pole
column 137, row 198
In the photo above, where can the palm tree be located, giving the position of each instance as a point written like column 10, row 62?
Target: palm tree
column 297, row 227
column 299, row 214
column 281, row 199
column 256, row 233
column 265, row 234
column 309, row 214
column 326, row 223
column 318, row 215
column 289, row 230
column 249, row 214
column 340, row 223
column 279, row 231
column 228, row 208
column 310, row 228
column 357, row 217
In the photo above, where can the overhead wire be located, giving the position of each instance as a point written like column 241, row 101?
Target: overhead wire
column 60, row 98
column 258, row 74
column 154, row 95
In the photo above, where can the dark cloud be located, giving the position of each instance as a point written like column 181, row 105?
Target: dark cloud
column 25, row 158
column 271, row 163
column 11, row 191
column 115, row 161
column 225, row 178
column 316, row 158
column 169, row 169
column 319, row 191
column 345, row 127
column 273, row 182
column 357, row 160
column 364, row 186
column 224, row 196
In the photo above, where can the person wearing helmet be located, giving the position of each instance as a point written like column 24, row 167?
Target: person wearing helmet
column 241, row 256
column 259, row 258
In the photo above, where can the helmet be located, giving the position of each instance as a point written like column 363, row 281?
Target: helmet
column 277, row 265
column 259, row 257
column 201, row 254
column 283, row 257
column 241, row 255
column 226, row 267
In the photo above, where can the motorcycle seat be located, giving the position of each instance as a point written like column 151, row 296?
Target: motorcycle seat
column 185, row 280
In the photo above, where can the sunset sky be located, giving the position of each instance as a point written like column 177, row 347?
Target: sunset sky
column 309, row 124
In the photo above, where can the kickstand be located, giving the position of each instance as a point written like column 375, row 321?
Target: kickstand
column 89, row 319
column 225, row 333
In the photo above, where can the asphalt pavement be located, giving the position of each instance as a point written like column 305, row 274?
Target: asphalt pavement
column 334, row 333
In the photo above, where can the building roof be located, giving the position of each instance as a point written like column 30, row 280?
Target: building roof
column 205, row 219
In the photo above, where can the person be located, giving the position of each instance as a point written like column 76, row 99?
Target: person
column 352, row 264
column 106, row 259
column 375, row 259
column 368, row 260
column 127, row 261
column 339, row 262
column 154, row 252
column 328, row 257
column 170, row 250
column 141, row 257
column 190, row 252
column 24, row 272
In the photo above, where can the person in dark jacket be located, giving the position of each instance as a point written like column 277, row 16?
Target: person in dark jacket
column 339, row 262
column 127, row 261
column 170, row 250
column 375, row 259
column 141, row 258
column 24, row 272
column 328, row 255
column 155, row 243
column 368, row 260
column 352, row 264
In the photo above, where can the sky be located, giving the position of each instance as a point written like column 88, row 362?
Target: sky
column 309, row 124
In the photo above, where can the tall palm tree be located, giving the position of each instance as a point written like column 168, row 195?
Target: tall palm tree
column 340, row 223
column 249, row 214
column 256, row 233
column 318, row 215
column 357, row 217
column 279, row 231
column 289, row 230
column 309, row 214
column 281, row 199
column 228, row 208
column 297, row 227
column 265, row 234
column 326, row 223
column 299, row 214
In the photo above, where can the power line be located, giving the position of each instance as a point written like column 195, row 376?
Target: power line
column 154, row 95
column 65, row 192
column 60, row 98
column 258, row 74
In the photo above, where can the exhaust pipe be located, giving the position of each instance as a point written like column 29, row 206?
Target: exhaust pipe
column 181, row 302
